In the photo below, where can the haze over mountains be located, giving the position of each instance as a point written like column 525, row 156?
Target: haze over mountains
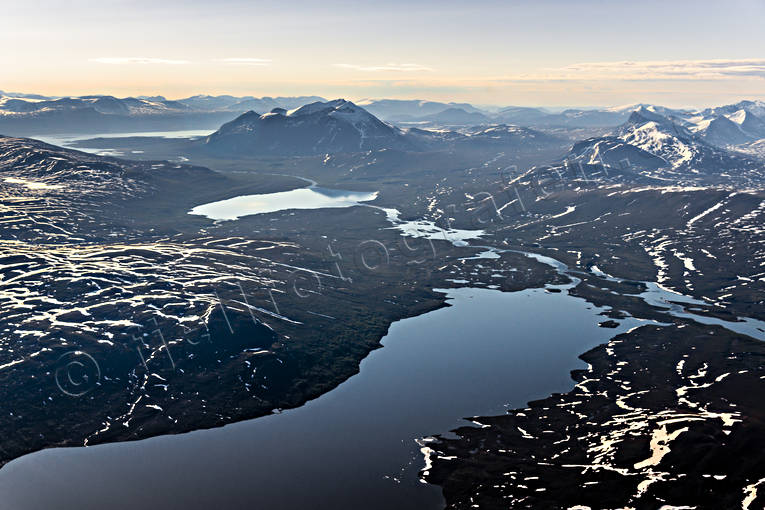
column 319, row 127
column 29, row 114
column 722, row 144
column 99, row 249
column 655, row 143
column 641, row 142
column 24, row 114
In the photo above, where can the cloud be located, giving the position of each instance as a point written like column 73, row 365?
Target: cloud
column 137, row 60
column 387, row 67
column 663, row 70
column 246, row 61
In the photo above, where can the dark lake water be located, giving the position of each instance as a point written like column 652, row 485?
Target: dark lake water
column 354, row 447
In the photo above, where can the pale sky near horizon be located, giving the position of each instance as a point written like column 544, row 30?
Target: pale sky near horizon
column 552, row 53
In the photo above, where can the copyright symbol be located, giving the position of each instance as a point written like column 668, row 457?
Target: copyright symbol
column 77, row 373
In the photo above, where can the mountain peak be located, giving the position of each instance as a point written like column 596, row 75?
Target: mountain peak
column 315, row 128
column 334, row 105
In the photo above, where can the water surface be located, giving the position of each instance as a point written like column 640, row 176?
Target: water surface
column 354, row 447
column 68, row 140
column 302, row 198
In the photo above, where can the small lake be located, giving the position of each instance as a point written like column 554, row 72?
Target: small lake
column 313, row 197
column 68, row 140
column 354, row 447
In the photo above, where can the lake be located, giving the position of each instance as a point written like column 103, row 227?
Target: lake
column 68, row 140
column 354, row 447
column 313, row 197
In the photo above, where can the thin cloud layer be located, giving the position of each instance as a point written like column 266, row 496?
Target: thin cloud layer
column 387, row 67
column 137, row 60
column 669, row 69
column 246, row 61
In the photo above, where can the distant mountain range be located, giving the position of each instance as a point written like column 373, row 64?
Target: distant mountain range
column 651, row 138
column 404, row 110
column 29, row 114
column 658, row 144
column 723, row 143
column 726, row 125
column 342, row 126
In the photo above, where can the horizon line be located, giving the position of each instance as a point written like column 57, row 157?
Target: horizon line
column 357, row 100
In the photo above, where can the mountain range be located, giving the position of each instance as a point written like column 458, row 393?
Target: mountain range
column 29, row 114
column 656, row 145
column 341, row 126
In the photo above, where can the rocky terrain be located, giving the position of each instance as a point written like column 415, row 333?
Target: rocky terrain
column 665, row 416
column 125, row 317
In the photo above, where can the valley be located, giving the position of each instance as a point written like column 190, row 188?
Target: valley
column 125, row 317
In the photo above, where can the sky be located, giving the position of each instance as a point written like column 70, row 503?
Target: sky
column 529, row 53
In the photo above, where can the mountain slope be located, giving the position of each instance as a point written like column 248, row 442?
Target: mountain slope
column 722, row 131
column 456, row 116
column 316, row 128
column 663, row 147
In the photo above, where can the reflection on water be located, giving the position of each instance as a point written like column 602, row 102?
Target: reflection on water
column 354, row 447
column 303, row 198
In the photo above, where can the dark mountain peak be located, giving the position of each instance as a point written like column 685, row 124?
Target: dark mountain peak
column 636, row 118
column 723, row 121
column 613, row 152
column 315, row 128
column 454, row 109
column 522, row 109
column 663, row 124
column 244, row 122
column 643, row 114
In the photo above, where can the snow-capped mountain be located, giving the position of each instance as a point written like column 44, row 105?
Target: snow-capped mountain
column 666, row 147
column 755, row 107
column 614, row 152
column 660, row 136
column 316, row 128
column 728, row 125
